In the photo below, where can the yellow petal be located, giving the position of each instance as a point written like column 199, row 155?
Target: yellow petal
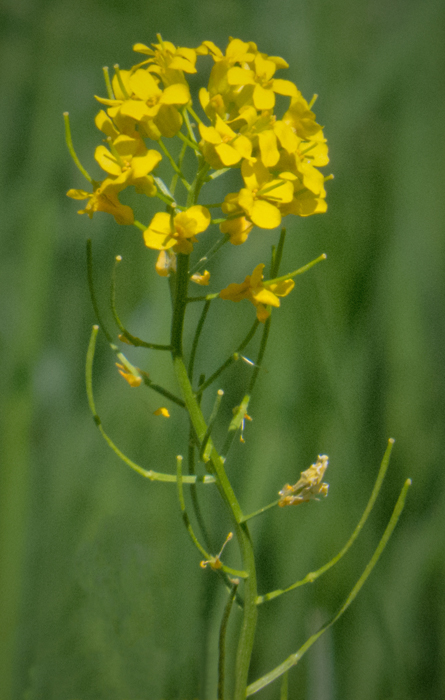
column 235, row 291
column 262, row 98
column 136, row 109
column 264, row 68
column 104, row 123
column 107, row 161
column 257, row 275
column 284, row 87
column 159, row 234
column 255, row 174
column 181, row 63
column 268, row 147
column 209, row 134
column 265, row 296
column 142, row 165
column 144, row 86
column 282, row 289
column 243, row 145
column 262, row 313
column 201, row 216
column 125, row 78
column 265, row 215
column 78, row 194
column 228, row 155
column 176, row 94
column 223, row 128
column 246, row 200
column 280, row 191
column 240, row 76
column 286, row 136
column 238, row 229
column 168, row 120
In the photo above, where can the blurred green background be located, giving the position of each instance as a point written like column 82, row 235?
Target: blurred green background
column 101, row 594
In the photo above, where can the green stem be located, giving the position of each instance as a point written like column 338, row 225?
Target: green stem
column 216, row 465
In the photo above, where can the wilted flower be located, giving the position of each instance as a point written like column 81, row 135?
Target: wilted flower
column 308, row 486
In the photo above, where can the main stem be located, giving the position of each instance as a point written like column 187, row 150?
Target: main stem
column 216, row 465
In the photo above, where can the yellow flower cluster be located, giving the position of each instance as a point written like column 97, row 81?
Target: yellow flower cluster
column 278, row 158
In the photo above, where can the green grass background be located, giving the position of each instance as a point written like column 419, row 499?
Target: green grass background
column 101, row 594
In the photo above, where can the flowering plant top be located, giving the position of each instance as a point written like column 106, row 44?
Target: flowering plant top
column 278, row 157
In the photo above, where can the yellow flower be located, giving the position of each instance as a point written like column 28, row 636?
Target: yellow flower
column 221, row 146
column 259, row 78
column 129, row 163
column 143, row 101
column 103, row 198
column 133, row 380
column 259, row 293
column 169, row 62
column 259, row 202
column 162, row 412
column 308, row 486
column 166, row 231
column 203, row 279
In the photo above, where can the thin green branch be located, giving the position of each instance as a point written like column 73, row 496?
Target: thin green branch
column 218, row 173
column 189, row 127
column 277, row 254
column 262, row 350
column 313, row 575
column 300, row 270
column 108, row 85
column 222, row 641
column 295, row 658
column 230, row 360
column 284, row 686
column 120, row 81
column 210, row 253
column 214, row 562
column 204, row 453
column 147, row 473
column 160, row 390
column 194, row 115
column 253, row 515
column 174, row 166
column 194, row 493
column 185, row 517
column 167, row 195
column 69, row 143
column 139, row 225
column 188, row 142
column 196, row 337
column 175, row 177
column 132, row 339
column 92, row 292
